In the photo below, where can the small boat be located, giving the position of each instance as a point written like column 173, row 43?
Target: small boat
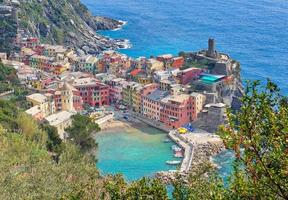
column 177, row 149
column 173, row 162
column 174, row 147
column 178, row 155
column 167, row 140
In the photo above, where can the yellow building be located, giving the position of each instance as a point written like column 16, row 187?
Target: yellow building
column 42, row 102
column 144, row 80
column 136, row 98
column 127, row 92
column 199, row 101
column 154, row 65
column 53, row 50
column 67, row 97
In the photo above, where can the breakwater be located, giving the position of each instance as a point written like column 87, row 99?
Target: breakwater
column 198, row 148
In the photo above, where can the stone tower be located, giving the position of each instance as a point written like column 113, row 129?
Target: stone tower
column 211, row 48
column 67, row 97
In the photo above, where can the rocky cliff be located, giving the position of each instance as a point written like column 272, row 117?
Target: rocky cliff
column 66, row 22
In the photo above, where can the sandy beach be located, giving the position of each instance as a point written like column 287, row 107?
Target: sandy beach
column 120, row 124
column 113, row 124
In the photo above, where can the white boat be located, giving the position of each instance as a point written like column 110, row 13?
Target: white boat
column 167, row 140
column 173, row 162
column 174, row 147
column 177, row 149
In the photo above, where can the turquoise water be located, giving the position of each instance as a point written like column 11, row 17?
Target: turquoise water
column 134, row 152
column 224, row 160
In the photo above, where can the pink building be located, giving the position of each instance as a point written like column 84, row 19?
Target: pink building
column 178, row 110
column 29, row 42
column 116, row 87
column 92, row 91
column 149, row 88
column 185, row 76
column 151, row 104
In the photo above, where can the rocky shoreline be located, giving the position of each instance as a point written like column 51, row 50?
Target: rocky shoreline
column 69, row 23
column 203, row 152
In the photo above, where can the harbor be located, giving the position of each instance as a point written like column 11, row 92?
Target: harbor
column 133, row 149
column 128, row 131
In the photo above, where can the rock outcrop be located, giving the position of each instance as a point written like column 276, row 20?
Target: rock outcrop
column 65, row 22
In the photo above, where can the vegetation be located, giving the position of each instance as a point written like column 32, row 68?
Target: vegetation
column 81, row 132
column 118, row 189
column 257, row 134
column 9, row 81
column 28, row 171
column 8, row 74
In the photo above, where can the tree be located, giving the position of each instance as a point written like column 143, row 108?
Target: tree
column 53, row 141
column 29, row 128
column 80, row 133
column 145, row 188
column 258, row 134
column 8, row 114
column 27, row 171
column 203, row 183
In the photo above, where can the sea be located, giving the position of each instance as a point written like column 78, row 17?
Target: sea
column 253, row 32
column 134, row 152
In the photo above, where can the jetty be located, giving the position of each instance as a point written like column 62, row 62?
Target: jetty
column 198, row 147
column 188, row 151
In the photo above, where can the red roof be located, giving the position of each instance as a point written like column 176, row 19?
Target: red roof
column 136, row 71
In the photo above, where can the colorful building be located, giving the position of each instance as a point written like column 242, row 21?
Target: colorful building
column 39, row 62
column 31, row 42
column 92, row 91
column 152, row 104
column 67, row 98
column 136, row 98
column 87, row 63
column 186, row 76
column 154, row 65
column 116, row 88
column 53, row 50
column 127, row 92
column 60, row 67
column 178, row 110
column 25, row 54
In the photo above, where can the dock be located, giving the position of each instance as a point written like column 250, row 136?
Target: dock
column 188, row 151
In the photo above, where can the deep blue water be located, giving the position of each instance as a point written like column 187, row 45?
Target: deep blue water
column 254, row 32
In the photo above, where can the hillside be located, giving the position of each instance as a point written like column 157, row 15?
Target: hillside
column 66, row 22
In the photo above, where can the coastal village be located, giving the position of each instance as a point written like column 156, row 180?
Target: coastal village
column 177, row 94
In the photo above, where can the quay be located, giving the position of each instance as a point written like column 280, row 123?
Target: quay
column 188, row 151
